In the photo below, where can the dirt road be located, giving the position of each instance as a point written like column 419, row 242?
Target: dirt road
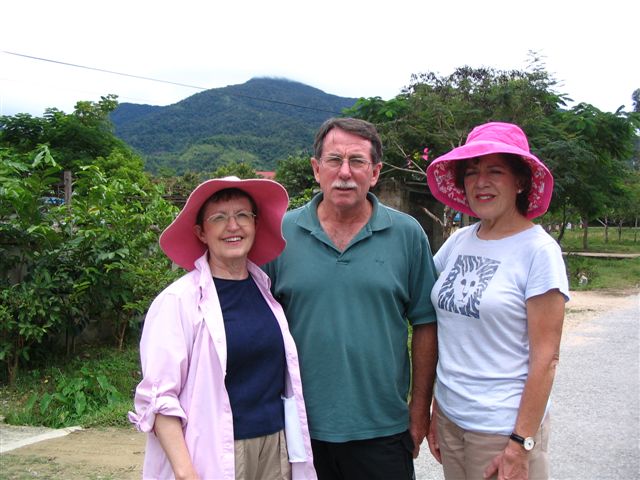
column 96, row 453
column 117, row 453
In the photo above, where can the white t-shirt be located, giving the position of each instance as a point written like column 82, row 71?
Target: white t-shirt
column 483, row 345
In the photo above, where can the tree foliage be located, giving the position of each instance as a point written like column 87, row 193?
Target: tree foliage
column 296, row 175
column 64, row 267
column 240, row 170
column 84, row 137
column 90, row 262
column 260, row 121
column 437, row 112
column 589, row 153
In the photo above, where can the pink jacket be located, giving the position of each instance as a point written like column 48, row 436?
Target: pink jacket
column 184, row 355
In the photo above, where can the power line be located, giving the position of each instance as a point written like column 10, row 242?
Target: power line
column 151, row 79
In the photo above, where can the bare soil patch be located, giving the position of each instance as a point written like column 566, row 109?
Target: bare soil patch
column 117, row 453
column 585, row 305
column 95, row 453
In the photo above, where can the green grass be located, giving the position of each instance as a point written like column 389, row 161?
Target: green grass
column 93, row 388
column 629, row 241
column 603, row 273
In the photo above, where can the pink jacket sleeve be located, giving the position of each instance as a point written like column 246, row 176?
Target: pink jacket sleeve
column 165, row 349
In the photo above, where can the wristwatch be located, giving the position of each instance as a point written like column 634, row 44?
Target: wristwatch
column 527, row 443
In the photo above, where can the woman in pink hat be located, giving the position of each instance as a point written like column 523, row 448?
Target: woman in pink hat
column 221, row 396
column 500, row 302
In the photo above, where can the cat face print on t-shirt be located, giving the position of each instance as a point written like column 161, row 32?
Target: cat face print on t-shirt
column 462, row 290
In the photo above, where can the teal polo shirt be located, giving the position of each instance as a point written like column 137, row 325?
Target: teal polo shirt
column 348, row 312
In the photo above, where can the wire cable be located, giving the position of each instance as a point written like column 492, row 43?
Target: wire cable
column 151, row 79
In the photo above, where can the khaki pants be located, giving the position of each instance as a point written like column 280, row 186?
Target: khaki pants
column 262, row 458
column 466, row 454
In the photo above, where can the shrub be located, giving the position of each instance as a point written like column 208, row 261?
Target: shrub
column 94, row 388
column 62, row 267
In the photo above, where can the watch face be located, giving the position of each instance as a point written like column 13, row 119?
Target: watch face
column 529, row 443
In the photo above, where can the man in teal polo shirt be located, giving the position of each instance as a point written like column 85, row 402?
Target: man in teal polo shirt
column 353, row 276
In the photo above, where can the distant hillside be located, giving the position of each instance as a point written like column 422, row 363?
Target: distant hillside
column 260, row 121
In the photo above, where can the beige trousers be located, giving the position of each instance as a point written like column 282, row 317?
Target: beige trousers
column 262, row 458
column 466, row 454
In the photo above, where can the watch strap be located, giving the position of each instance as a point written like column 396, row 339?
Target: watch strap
column 527, row 443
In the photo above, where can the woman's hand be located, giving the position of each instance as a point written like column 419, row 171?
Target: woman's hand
column 511, row 464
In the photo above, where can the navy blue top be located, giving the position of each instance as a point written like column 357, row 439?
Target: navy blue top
column 255, row 359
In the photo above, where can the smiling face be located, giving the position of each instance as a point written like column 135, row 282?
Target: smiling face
column 345, row 188
column 228, row 241
column 491, row 187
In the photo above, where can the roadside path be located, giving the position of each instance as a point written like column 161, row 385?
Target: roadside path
column 596, row 411
column 13, row 437
column 602, row 254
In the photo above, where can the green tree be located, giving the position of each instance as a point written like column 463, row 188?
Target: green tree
column 125, row 164
column 113, row 231
column 439, row 111
column 75, row 139
column 63, row 267
column 572, row 164
column 22, row 132
column 435, row 114
column 179, row 187
column 590, row 159
column 240, row 170
column 29, row 232
column 627, row 209
column 296, row 175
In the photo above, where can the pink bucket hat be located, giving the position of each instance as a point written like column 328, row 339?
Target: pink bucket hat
column 493, row 137
column 180, row 244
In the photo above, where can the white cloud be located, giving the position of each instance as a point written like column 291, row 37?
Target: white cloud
column 348, row 48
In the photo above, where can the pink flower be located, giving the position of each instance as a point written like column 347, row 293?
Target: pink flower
column 426, row 154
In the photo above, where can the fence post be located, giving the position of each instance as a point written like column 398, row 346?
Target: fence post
column 67, row 187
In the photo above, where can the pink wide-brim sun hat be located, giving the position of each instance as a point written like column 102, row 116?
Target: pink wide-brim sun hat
column 182, row 246
column 493, row 137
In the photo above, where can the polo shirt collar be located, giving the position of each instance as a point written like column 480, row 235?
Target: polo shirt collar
column 308, row 218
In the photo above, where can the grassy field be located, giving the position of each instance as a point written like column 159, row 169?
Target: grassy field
column 628, row 242
column 603, row 273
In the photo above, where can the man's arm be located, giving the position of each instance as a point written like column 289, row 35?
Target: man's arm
column 424, row 357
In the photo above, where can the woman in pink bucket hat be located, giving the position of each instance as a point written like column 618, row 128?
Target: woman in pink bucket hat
column 500, row 299
column 221, row 395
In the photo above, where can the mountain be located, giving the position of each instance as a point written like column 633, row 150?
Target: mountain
column 260, row 121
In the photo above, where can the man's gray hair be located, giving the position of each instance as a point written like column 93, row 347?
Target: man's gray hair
column 358, row 127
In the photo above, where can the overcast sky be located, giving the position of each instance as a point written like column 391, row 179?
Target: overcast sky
column 348, row 48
